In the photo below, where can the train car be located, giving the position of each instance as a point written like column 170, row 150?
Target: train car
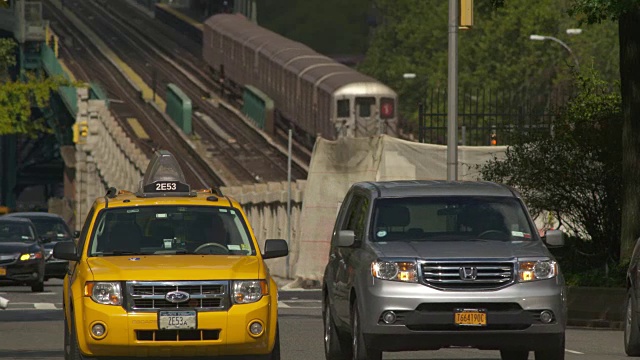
column 312, row 92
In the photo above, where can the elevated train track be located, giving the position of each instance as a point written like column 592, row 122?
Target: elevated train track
column 87, row 64
column 237, row 146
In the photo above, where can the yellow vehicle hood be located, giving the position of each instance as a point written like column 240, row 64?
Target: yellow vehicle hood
column 175, row 267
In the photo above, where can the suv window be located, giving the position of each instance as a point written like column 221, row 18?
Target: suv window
column 356, row 216
column 170, row 230
column 451, row 218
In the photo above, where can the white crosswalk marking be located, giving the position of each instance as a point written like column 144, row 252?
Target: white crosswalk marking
column 45, row 306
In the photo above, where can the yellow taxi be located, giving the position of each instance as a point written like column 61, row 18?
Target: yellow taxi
column 169, row 272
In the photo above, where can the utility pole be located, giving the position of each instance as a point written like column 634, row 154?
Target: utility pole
column 452, row 89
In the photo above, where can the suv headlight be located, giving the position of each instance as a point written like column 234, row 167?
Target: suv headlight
column 537, row 270
column 249, row 291
column 406, row 271
column 106, row 293
column 32, row 256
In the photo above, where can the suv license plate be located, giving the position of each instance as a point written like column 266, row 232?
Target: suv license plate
column 177, row 320
column 470, row 317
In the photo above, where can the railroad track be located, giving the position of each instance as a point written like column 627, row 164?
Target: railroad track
column 87, row 63
column 238, row 146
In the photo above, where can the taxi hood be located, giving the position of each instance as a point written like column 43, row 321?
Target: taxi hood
column 175, row 267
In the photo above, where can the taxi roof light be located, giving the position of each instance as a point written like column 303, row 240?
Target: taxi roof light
column 164, row 177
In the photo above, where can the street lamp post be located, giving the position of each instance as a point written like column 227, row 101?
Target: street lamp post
column 535, row 37
column 452, row 93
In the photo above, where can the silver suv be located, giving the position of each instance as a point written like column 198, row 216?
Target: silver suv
column 422, row 265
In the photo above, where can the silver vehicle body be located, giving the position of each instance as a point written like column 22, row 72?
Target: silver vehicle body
column 424, row 310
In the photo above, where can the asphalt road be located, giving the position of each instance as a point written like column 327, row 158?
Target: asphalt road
column 31, row 328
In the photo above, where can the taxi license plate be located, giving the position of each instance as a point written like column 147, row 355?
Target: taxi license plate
column 3, row 271
column 470, row 317
column 177, row 320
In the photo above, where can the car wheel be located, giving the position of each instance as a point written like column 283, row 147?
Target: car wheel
column 37, row 286
column 631, row 331
column 335, row 348
column 359, row 348
column 554, row 353
column 514, row 354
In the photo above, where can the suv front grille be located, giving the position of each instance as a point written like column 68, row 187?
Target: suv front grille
column 472, row 275
column 203, row 295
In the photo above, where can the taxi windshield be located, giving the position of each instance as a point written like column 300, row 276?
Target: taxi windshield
column 166, row 230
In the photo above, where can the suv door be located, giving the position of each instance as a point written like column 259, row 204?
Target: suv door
column 354, row 219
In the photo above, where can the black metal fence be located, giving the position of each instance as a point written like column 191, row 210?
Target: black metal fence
column 489, row 117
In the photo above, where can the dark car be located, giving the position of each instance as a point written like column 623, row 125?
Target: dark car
column 55, row 229
column 21, row 253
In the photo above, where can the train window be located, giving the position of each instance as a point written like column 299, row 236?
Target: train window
column 364, row 106
column 343, row 108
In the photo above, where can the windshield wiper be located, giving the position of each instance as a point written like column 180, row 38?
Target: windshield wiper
column 121, row 252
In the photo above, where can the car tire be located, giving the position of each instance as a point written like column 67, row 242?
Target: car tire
column 335, row 347
column 37, row 286
column 514, row 354
column 631, row 331
column 359, row 348
column 74, row 348
column 554, row 353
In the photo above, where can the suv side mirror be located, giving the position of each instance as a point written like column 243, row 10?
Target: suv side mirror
column 66, row 250
column 76, row 234
column 275, row 248
column 346, row 238
column 554, row 238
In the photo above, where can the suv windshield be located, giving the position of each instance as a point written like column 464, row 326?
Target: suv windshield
column 16, row 232
column 170, row 230
column 450, row 218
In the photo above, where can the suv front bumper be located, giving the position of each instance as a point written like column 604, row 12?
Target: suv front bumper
column 425, row 316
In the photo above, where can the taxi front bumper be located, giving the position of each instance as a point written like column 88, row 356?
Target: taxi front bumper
column 218, row 333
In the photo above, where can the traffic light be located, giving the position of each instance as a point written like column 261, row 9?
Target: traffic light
column 80, row 132
column 466, row 14
column 494, row 138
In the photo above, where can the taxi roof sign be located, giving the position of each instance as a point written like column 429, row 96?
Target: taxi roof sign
column 164, row 177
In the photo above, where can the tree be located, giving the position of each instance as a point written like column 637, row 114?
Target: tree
column 627, row 14
column 577, row 173
column 17, row 97
column 495, row 55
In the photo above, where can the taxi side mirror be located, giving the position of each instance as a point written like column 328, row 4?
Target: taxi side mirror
column 275, row 248
column 66, row 250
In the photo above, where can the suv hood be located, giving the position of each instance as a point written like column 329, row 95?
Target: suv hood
column 174, row 267
column 17, row 247
column 476, row 249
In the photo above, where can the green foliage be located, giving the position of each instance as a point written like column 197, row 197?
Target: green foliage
column 18, row 97
column 583, row 266
column 7, row 56
column 329, row 26
column 496, row 54
column 596, row 11
column 575, row 174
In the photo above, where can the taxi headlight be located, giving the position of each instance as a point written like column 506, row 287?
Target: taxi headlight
column 106, row 293
column 537, row 270
column 405, row 271
column 249, row 291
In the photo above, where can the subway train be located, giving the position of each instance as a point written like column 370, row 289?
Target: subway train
column 311, row 93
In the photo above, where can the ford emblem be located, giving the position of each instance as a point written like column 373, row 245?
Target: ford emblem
column 177, row 297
